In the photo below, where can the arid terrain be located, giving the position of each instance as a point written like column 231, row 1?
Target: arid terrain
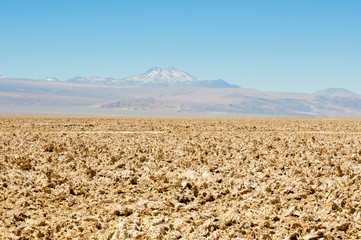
column 179, row 178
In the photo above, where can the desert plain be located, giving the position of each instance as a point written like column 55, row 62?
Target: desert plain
column 179, row 178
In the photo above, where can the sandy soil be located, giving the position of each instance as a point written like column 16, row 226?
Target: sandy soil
column 149, row 178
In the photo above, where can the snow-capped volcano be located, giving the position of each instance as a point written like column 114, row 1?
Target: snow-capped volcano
column 156, row 77
column 161, row 75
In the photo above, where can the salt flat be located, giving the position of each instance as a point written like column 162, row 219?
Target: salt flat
column 172, row 178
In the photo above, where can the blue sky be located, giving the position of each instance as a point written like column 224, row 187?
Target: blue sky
column 296, row 46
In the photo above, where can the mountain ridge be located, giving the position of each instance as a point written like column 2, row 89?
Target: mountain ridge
column 156, row 76
column 336, row 92
column 203, row 97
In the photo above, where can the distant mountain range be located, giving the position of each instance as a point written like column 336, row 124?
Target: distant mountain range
column 160, row 77
column 170, row 91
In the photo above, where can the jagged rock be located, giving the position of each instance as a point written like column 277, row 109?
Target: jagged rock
column 138, row 178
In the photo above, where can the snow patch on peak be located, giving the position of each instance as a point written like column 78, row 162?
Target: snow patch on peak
column 51, row 79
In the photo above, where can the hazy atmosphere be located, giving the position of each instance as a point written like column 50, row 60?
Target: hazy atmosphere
column 289, row 46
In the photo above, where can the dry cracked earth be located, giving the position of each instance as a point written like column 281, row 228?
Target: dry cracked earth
column 164, row 178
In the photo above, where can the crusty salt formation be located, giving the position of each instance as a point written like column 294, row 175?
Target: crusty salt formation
column 164, row 178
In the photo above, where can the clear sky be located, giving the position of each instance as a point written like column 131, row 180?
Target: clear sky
column 289, row 45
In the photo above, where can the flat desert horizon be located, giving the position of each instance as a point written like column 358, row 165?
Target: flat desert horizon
column 179, row 178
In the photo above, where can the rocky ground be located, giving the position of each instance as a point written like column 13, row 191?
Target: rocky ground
column 149, row 178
